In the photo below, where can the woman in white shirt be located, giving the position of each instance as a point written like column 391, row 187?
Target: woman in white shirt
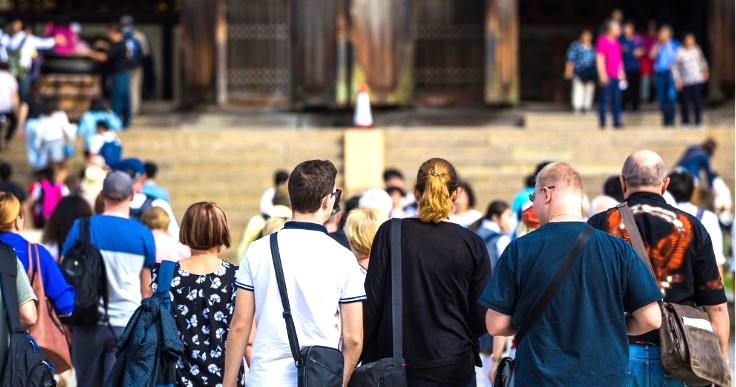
column 53, row 131
column 464, row 212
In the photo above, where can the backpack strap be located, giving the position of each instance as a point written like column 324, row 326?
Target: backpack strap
column 288, row 318
column 163, row 283
column 8, row 275
column 700, row 213
column 84, row 230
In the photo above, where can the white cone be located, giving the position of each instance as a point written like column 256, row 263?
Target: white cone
column 363, row 117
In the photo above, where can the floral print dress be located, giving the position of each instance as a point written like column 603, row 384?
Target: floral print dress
column 202, row 306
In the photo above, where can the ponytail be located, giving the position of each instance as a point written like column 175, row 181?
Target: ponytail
column 436, row 182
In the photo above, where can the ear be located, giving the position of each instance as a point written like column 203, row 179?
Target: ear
column 325, row 202
column 132, row 195
column 623, row 185
column 665, row 184
column 417, row 196
column 455, row 194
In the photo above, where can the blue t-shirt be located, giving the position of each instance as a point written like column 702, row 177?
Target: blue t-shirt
column 126, row 247
column 695, row 160
column 628, row 46
column 583, row 59
column 580, row 338
column 666, row 56
column 60, row 292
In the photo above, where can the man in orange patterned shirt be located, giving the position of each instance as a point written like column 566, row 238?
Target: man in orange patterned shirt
column 681, row 253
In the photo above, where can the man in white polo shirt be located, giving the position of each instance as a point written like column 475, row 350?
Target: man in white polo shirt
column 323, row 281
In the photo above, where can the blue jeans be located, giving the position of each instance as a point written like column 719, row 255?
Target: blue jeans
column 120, row 98
column 666, row 96
column 610, row 94
column 646, row 370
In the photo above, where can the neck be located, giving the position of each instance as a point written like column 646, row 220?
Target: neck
column 206, row 253
column 651, row 190
column 568, row 213
column 308, row 218
column 363, row 260
column 121, row 210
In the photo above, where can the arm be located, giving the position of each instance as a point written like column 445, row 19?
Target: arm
column 704, row 66
column 146, row 282
column 57, row 288
column 499, row 324
column 600, row 62
column 28, row 315
column 654, row 51
column 676, row 75
column 237, row 338
column 644, row 319
column 718, row 315
column 249, row 347
column 569, row 67
column 351, row 318
column 499, row 344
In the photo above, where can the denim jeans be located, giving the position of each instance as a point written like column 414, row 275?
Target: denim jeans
column 121, row 96
column 645, row 368
column 666, row 96
column 610, row 94
column 691, row 97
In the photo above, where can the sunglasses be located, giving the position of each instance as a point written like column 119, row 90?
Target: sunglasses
column 533, row 195
column 336, row 194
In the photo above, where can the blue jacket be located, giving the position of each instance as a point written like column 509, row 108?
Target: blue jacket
column 148, row 348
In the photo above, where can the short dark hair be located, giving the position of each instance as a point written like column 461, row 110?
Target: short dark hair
column 280, row 177
column 350, row 204
column 204, row 227
column 390, row 173
column 709, row 146
column 309, row 182
column 612, row 188
column 392, row 190
column 468, row 190
column 102, row 124
column 496, row 208
column 681, row 186
column 6, row 170
column 151, row 169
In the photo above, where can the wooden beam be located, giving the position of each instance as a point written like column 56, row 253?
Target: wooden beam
column 221, row 51
column 502, row 52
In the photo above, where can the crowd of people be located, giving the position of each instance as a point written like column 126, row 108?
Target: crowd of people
column 469, row 278
column 627, row 66
column 124, row 54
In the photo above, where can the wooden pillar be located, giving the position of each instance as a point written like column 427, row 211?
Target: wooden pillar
column 221, row 51
column 197, row 51
column 721, row 42
column 502, row 52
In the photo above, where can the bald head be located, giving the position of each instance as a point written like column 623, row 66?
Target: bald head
column 562, row 176
column 644, row 169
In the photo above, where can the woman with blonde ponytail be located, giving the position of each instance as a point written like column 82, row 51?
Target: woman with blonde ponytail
column 445, row 267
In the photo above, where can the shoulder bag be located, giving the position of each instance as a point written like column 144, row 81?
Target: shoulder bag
column 317, row 366
column 505, row 371
column 48, row 331
column 389, row 372
column 689, row 347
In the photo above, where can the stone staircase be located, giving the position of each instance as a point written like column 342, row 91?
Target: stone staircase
column 217, row 160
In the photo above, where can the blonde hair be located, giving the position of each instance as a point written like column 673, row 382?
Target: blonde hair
column 155, row 218
column 274, row 224
column 436, row 182
column 10, row 210
column 361, row 227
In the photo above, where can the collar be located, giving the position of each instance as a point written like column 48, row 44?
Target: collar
column 493, row 226
column 639, row 196
column 292, row 225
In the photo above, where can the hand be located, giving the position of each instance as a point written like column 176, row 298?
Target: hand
column 706, row 75
column 678, row 84
column 603, row 79
column 567, row 75
column 492, row 372
column 60, row 40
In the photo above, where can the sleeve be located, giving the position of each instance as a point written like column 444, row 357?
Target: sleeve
column 501, row 292
column 84, row 127
column 596, row 221
column 502, row 244
column 58, row 290
column 244, row 277
column 571, row 53
column 150, row 249
column 353, row 289
column 478, row 283
column 23, row 286
column 43, row 43
column 706, row 278
column 376, row 281
column 71, row 238
column 640, row 289
column 114, row 122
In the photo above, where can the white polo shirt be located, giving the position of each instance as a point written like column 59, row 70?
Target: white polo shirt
column 320, row 274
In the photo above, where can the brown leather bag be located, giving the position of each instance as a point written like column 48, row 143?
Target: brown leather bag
column 689, row 348
column 48, row 331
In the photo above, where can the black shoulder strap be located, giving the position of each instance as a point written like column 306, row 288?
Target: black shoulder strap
column 84, row 230
column 627, row 218
column 290, row 329
column 8, row 275
column 543, row 301
column 397, row 310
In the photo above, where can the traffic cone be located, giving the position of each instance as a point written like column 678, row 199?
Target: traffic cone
column 363, row 117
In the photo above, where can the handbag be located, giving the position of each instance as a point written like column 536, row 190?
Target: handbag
column 505, row 372
column 689, row 348
column 391, row 371
column 47, row 331
column 317, row 366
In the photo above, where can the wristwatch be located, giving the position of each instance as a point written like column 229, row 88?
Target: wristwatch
column 495, row 359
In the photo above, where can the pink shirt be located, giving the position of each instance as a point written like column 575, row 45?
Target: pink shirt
column 168, row 248
column 611, row 51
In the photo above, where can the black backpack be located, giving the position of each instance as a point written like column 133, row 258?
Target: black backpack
column 84, row 268
column 137, row 213
column 26, row 364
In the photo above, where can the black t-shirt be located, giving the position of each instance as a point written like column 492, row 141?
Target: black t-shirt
column 679, row 247
column 444, row 270
column 118, row 57
column 14, row 189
